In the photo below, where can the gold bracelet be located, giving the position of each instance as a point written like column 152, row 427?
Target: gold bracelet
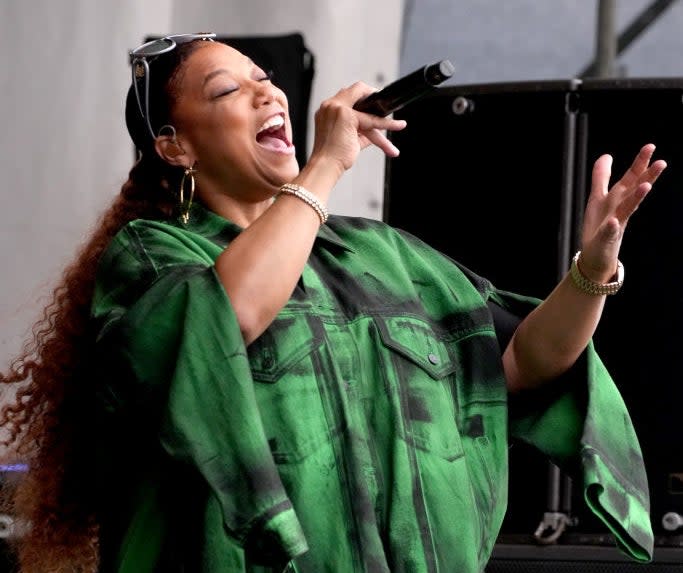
column 588, row 286
column 307, row 197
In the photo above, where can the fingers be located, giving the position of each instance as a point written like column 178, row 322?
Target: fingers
column 380, row 140
column 654, row 171
column 637, row 168
column 367, row 122
column 639, row 165
column 374, row 134
column 608, row 210
column 602, row 171
column 353, row 93
column 371, row 126
column 342, row 132
column 631, row 202
column 641, row 170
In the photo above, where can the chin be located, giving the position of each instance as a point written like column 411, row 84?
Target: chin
column 289, row 173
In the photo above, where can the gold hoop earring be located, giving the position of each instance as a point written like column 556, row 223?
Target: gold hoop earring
column 185, row 208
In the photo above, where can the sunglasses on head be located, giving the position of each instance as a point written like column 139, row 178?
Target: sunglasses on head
column 140, row 59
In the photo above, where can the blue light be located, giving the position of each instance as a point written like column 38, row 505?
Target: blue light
column 13, row 467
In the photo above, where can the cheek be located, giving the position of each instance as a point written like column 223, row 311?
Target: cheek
column 232, row 131
column 223, row 148
column 216, row 119
column 221, row 134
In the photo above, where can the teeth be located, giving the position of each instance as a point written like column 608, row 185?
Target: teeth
column 275, row 121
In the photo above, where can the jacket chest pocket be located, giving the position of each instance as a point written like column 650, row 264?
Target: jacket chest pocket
column 420, row 372
column 290, row 390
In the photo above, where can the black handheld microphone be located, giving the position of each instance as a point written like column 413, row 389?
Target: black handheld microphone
column 406, row 89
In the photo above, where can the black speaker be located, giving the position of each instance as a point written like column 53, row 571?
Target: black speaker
column 293, row 67
column 480, row 176
column 496, row 176
column 641, row 336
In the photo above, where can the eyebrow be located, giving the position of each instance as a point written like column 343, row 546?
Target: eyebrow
column 220, row 71
column 213, row 74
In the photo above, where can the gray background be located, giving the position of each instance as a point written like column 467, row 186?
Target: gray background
column 496, row 40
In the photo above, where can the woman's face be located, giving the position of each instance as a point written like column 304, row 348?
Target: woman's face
column 235, row 123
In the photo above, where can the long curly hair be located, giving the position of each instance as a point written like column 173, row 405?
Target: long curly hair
column 47, row 420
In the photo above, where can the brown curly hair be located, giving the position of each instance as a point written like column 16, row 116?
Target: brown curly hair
column 47, row 422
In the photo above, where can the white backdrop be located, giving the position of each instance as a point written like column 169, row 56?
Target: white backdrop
column 64, row 149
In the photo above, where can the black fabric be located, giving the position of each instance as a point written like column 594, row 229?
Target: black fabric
column 504, row 322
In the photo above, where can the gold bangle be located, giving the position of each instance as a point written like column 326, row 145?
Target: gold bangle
column 584, row 284
column 307, row 197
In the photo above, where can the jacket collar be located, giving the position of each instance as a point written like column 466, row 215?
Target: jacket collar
column 211, row 225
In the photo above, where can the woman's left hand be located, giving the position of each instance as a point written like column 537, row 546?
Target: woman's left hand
column 608, row 211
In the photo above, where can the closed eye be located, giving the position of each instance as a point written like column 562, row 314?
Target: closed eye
column 268, row 76
column 226, row 92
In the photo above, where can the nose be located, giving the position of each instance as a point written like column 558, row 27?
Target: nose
column 264, row 93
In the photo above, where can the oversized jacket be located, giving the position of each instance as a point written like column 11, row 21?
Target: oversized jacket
column 366, row 430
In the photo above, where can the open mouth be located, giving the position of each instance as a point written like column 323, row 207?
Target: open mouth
column 273, row 136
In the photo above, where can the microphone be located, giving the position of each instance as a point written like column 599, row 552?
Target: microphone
column 406, row 89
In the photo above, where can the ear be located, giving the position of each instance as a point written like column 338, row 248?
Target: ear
column 169, row 149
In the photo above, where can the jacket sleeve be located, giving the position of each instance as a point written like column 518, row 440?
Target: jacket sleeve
column 582, row 423
column 166, row 323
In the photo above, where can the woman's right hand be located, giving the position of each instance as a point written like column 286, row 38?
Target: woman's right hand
column 342, row 132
